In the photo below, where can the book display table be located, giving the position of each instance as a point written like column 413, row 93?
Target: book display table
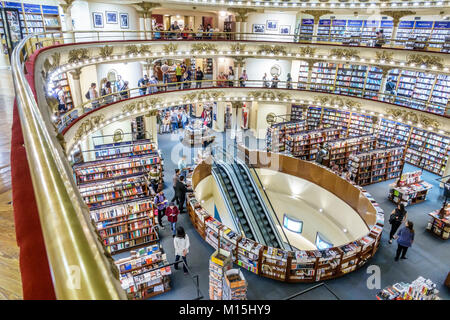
column 409, row 189
column 196, row 134
column 440, row 223
column 419, row 289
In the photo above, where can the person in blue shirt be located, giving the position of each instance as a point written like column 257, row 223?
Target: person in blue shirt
column 405, row 239
column 160, row 202
column 174, row 120
column 184, row 119
column 182, row 166
column 142, row 84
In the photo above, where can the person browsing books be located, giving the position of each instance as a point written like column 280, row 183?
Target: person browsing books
column 398, row 216
column 405, row 239
column 181, row 245
column 172, row 216
column 180, row 193
column 160, row 202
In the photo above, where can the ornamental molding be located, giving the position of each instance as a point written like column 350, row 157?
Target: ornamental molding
column 427, row 60
column 66, row 5
column 170, row 47
column 345, row 53
column 76, row 74
column 77, row 55
column 147, row 7
column 272, row 49
column 237, row 47
column 241, row 14
column 317, row 14
column 384, row 55
column 50, row 66
column 203, row 47
column 269, row 95
column 337, row 102
column 239, row 61
column 207, row 95
column 307, row 51
column 414, row 117
column 106, row 51
column 140, row 104
column 397, row 15
column 135, row 50
column 87, row 125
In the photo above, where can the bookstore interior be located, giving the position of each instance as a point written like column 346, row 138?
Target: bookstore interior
column 272, row 149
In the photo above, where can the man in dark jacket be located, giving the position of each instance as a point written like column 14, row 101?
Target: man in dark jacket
column 180, row 193
column 198, row 77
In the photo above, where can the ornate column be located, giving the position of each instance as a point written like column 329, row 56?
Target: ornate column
column 141, row 24
column 77, row 96
column 241, row 15
column 396, row 16
column 219, row 122
column 146, row 9
column 151, row 126
column 316, row 14
column 66, row 6
column 236, row 109
column 239, row 64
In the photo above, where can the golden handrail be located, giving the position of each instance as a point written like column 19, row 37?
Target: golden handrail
column 78, row 266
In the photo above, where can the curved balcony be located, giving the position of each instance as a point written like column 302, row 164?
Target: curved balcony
column 70, row 241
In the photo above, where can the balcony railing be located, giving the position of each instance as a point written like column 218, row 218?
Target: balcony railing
column 63, row 120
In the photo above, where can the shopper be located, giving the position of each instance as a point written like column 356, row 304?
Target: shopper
column 184, row 119
column 175, row 28
column 275, row 81
column 107, row 93
column 157, row 33
column 92, row 95
column 175, row 179
column 153, row 85
column 289, row 81
column 174, row 120
column 181, row 245
column 390, row 88
column 221, row 79
column 199, row 77
column 210, row 31
column 199, row 33
column 321, row 154
column 180, row 193
column 125, row 91
column 405, row 239
column 153, row 177
column 142, row 84
column 166, row 122
column 160, row 202
column 119, row 83
column 230, row 76
column 165, row 72
column 379, row 40
column 398, row 216
column 243, row 78
column 159, row 121
column 62, row 107
column 265, row 81
column 178, row 74
column 172, row 216
column 182, row 165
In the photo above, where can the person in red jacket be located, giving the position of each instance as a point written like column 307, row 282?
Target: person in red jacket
column 172, row 215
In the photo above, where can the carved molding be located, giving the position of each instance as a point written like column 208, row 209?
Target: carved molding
column 414, row 117
column 317, row 14
column 427, row 60
column 397, row 15
column 384, row 55
column 239, row 61
column 106, row 51
column 237, row 47
column 268, row 49
column 203, row 47
column 76, row 74
column 88, row 125
column 241, row 14
column 345, row 53
column 170, row 47
column 66, row 6
column 77, row 55
column 147, row 7
column 50, row 66
column 207, row 95
column 338, row 101
column 307, row 51
column 135, row 50
column 269, row 95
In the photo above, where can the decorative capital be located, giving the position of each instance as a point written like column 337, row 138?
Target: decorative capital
column 203, row 47
column 307, row 51
column 345, row 53
column 241, row 13
column 275, row 50
column 337, row 102
column 237, row 47
column 88, row 125
column 412, row 116
column 66, row 5
column 384, row 55
column 427, row 60
column 135, row 50
column 397, row 15
column 76, row 74
column 106, row 51
column 317, row 14
column 147, row 7
column 77, row 55
column 239, row 61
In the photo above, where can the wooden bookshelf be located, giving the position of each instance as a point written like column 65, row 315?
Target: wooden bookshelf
column 305, row 145
column 145, row 273
column 340, row 150
column 277, row 133
column 125, row 149
column 440, row 223
column 409, row 189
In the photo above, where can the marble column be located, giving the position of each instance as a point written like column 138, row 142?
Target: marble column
column 141, row 25
column 67, row 8
column 151, row 127
column 219, row 122
column 238, row 29
column 77, row 96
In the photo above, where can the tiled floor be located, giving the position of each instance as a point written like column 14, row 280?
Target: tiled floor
column 10, row 281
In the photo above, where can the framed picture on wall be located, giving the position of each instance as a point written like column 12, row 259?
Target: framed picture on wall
column 285, row 29
column 272, row 25
column 258, row 28
column 124, row 21
column 111, row 17
column 98, row 19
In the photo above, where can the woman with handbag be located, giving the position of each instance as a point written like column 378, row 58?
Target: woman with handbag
column 398, row 215
column 181, row 244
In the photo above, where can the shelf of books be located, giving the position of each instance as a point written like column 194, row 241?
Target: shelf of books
column 353, row 32
column 219, row 263
column 376, row 165
column 409, row 189
column 323, row 76
column 277, row 133
column 340, row 150
column 441, row 30
column 440, row 94
column 323, row 31
column 360, row 125
column 306, row 29
column 440, row 222
column 373, row 83
column 337, row 30
column 145, row 273
column 332, row 118
column 234, row 285
column 422, row 32
column 419, row 289
column 305, row 145
column 404, row 31
column 126, row 226
column 313, row 117
column 106, row 170
column 302, row 75
column 274, row 263
column 125, row 149
column 62, row 80
column 393, row 132
column 428, row 150
column 350, row 79
column 296, row 112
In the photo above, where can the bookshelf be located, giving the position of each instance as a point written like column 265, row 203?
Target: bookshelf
column 305, row 145
column 61, row 79
column 419, row 289
column 376, row 165
column 422, row 32
column 340, row 150
column 332, row 118
column 360, row 125
column 393, row 132
column 441, row 30
column 219, row 263
column 323, row 31
column 277, row 133
column 405, row 29
column 105, row 170
column 296, row 112
column 350, row 79
column 145, row 273
column 313, row 117
column 323, row 76
column 125, row 149
column 373, row 83
column 126, row 226
column 440, row 94
column 440, row 222
column 302, row 75
column 234, row 285
column 409, row 189
column 337, row 30
column 283, row 265
column 306, row 29
column 370, row 27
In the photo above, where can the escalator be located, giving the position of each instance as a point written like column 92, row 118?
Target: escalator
column 245, row 203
